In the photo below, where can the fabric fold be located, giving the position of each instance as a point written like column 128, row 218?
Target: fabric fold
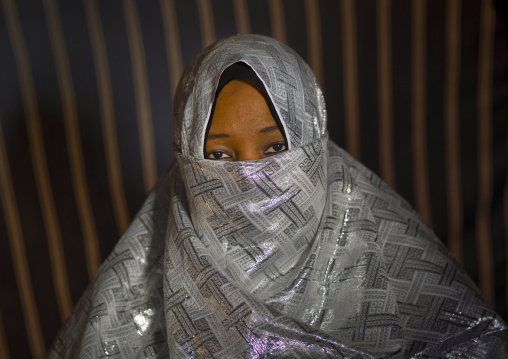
column 303, row 254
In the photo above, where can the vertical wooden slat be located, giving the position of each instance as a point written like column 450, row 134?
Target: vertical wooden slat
column 350, row 70
column 277, row 20
column 4, row 347
column 241, row 16
column 506, row 223
column 71, row 124
column 142, row 93
column 173, row 48
column 107, row 111
column 452, row 128
column 314, row 46
column 38, row 157
column 206, row 22
column 19, row 260
column 385, row 92
column 419, row 113
column 483, row 210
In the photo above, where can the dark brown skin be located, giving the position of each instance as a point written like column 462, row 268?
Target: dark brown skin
column 242, row 129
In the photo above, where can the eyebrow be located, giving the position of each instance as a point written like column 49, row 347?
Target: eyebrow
column 217, row 135
column 212, row 136
column 269, row 129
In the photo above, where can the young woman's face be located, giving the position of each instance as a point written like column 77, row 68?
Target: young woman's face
column 242, row 129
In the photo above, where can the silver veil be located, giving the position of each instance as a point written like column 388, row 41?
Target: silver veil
column 303, row 254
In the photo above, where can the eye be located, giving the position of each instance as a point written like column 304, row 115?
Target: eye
column 218, row 155
column 278, row 147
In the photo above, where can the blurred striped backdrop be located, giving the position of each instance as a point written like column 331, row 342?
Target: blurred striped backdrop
column 416, row 89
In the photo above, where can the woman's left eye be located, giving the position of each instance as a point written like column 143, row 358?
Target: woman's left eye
column 218, row 155
column 278, row 147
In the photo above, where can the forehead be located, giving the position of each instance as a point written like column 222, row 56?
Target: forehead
column 241, row 107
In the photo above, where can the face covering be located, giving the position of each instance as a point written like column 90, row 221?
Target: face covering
column 267, row 229
column 304, row 254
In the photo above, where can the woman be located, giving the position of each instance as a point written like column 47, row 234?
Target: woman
column 266, row 239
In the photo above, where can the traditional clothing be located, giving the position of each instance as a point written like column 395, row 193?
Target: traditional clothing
column 304, row 254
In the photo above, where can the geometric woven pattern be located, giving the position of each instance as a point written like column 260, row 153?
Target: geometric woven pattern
column 370, row 275
column 370, row 281
column 438, row 305
column 121, row 312
column 303, row 254
column 289, row 81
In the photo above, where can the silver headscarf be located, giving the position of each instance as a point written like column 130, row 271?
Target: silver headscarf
column 303, row 254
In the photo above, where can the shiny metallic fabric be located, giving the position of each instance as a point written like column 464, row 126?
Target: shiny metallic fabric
column 289, row 81
column 305, row 254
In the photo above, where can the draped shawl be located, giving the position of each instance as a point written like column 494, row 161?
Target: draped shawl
column 303, row 254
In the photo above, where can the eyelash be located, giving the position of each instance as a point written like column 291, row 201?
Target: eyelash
column 211, row 156
column 277, row 144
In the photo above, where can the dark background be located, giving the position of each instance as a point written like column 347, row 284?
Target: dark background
column 415, row 89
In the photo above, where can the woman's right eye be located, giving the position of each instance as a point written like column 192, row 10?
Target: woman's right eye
column 218, row 155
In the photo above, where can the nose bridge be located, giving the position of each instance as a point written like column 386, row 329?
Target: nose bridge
column 249, row 151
